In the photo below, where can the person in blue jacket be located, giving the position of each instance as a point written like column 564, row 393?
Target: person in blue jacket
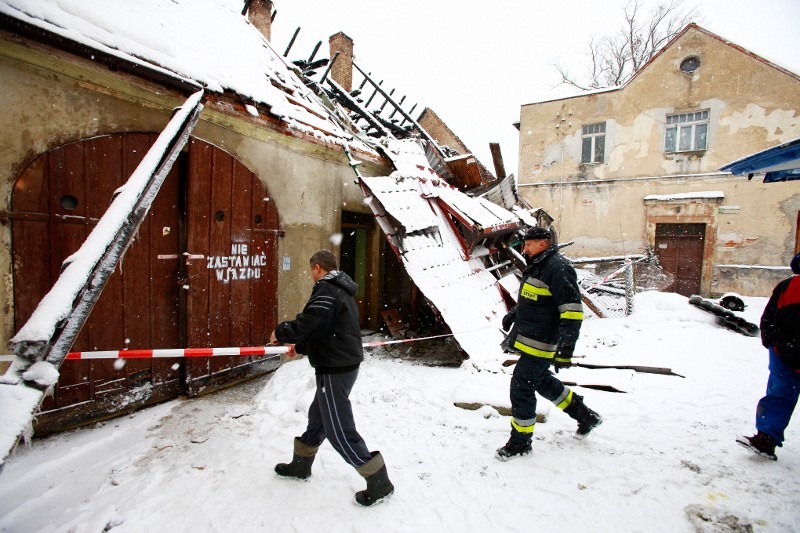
column 780, row 334
column 544, row 327
column 328, row 331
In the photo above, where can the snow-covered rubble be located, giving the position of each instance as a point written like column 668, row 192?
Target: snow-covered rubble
column 664, row 459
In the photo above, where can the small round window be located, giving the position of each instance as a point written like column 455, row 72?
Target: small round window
column 68, row 202
column 690, row 64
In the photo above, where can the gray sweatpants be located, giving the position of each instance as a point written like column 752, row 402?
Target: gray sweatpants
column 330, row 416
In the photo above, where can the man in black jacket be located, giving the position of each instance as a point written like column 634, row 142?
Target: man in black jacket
column 546, row 324
column 328, row 332
column 780, row 334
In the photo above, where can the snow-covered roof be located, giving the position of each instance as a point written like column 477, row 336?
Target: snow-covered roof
column 208, row 42
column 402, row 199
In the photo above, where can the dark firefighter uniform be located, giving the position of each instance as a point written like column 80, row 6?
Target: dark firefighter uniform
column 547, row 318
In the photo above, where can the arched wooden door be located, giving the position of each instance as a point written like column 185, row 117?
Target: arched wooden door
column 158, row 297
column 231, row 263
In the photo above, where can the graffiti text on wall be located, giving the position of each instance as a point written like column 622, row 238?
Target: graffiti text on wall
column 238, row 266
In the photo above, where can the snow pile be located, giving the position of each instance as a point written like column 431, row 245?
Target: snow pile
column 664, row 459
column 42, row 373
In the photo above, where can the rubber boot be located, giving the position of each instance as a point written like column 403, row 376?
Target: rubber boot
column 513, row 449
column 761, row 443
column 378, row 484
column 300, row 467
column 587, row 419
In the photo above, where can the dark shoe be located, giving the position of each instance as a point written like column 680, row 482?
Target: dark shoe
column 587, row 419
column 761, row 443
column 378, row 484
column 513, row 449
column 300, row 467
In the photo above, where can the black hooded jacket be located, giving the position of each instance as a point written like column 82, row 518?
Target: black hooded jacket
column 327, row 330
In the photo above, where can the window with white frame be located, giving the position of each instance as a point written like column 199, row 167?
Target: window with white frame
column 687, row 132
column 593, row 143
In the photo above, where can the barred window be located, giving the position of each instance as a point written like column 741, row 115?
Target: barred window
column 593, row 141
column 687, row 132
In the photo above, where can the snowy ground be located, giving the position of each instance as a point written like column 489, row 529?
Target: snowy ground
column 665, row 454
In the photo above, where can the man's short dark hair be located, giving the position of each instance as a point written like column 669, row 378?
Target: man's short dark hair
column 325, row 259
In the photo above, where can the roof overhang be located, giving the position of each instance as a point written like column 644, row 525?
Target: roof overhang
column 779, row 163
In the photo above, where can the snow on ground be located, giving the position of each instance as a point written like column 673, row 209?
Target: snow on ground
column 666, row 452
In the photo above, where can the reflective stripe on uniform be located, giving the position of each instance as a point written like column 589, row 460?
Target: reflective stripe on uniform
column 533, row 288
column 571, row 311
column 563, row 359
column 535, row 348
column 523, row 426
column 565, row 400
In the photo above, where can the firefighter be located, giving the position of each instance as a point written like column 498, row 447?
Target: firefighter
column 544, row 327
column 328, row 331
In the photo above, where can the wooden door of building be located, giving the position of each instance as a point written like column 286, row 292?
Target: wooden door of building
column 679, row 248
column 56, row 202
column 155, row 298
column 231, row 264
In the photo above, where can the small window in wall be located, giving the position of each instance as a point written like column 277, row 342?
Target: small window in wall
column 593, row 141
column 687, row 132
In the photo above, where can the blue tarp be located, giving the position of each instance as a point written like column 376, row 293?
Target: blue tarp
column 780, row 163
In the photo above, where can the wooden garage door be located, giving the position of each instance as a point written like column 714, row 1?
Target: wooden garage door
column 202, row 271
column 679, row 248
column 231, row 263
column 56, row 202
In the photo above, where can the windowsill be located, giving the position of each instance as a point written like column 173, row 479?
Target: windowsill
column 688, row 152
column 594, row 164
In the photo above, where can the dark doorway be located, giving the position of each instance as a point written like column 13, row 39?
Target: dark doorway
column 355, row 254
column 679, row 248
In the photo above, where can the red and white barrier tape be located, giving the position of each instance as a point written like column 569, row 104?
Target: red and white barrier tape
column 208, row 352
column 170, row 352
column 213, row 352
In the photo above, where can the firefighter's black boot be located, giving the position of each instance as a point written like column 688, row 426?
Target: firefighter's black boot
column 303, row 458
column 378, row 484
column 513, row 449
column 587, row 419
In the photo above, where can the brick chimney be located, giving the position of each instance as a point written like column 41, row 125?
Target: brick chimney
column 259, row 13
column 342, row 71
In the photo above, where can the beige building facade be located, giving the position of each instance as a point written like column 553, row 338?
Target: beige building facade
column 634, row 168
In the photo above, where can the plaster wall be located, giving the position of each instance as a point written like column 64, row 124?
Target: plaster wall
column 752, row 106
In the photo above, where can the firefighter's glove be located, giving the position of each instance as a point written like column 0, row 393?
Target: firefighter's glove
column 509, row 319
column 563, row 359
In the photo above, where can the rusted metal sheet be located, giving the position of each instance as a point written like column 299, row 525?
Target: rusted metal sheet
column 466, row 171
